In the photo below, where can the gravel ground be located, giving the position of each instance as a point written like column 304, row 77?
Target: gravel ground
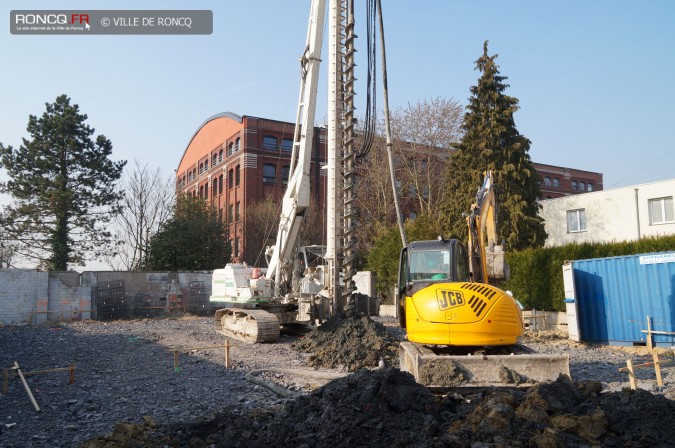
column 124, row 372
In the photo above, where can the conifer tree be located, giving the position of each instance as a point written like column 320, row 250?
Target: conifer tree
column 492, row 142
column 193, row 239
column 63, row 186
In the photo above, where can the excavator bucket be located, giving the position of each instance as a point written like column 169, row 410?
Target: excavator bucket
column 442, row 371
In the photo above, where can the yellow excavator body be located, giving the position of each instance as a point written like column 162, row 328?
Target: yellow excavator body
column 462, row 314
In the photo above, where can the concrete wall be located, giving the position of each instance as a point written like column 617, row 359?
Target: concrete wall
column 620, row 214
column 31, row 297
column 24, row 293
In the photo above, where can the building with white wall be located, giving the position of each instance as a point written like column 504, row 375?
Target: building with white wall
column 620, row 214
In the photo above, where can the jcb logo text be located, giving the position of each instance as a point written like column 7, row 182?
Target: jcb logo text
column 449, row 299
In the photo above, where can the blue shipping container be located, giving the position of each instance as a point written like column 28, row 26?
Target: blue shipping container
column 615, row 295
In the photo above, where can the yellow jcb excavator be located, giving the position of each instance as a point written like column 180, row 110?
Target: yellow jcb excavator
column 461, row 330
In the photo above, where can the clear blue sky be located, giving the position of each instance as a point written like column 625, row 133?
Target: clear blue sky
column 595, row 79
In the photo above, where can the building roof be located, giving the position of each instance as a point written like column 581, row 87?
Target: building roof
column 229, row 115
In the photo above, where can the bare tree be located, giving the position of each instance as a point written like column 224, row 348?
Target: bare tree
column 422, row 135
column 262, row 223
column 147, row 204
column 425, row 132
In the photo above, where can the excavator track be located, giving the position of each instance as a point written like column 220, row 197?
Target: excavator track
column 248, row 325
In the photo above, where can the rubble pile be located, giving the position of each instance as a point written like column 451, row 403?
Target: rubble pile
column 349, row 341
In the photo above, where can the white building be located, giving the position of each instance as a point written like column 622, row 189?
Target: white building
column 620, row 214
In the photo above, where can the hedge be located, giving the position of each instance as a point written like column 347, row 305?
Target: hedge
column 536, row 274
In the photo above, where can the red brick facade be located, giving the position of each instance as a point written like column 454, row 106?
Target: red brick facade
column 556, row 181
column 234, row 161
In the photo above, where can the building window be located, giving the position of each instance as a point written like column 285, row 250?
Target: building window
column 236, row 247
column 220, row 183
column 413, row 216
column 237, row 175
column 230, row 213
column 206, row 165
column 269, row 142
column 215, row 188
column 236, row 144
column 206, row 191
column 237, row 211
column 574, row 185
column 201, row 191
column 201, row 168
column 287, row 144
column 661, row 211
column 269, row 173
column 230, row 149
column 230, row 176
column 285, row 170
column 214, row 161
column 589, row 186
column 556, row 182
column 576, row 220
column 547, row 181
column 582, row 186
column 220, row 156
column 220, row 214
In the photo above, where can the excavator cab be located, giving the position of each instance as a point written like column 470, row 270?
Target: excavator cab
column 424, row 263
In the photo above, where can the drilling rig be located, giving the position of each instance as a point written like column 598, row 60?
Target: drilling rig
column 256, row 302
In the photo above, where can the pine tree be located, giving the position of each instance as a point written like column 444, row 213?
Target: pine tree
column 63, row 186
column 193, row 239
column 492, row 142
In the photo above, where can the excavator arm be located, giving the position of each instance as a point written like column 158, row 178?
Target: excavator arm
column 482, row 226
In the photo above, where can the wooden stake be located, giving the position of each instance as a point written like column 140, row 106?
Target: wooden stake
column 25, row 385
column 175, row 360
column 649, row 335
column 657, row 369
column 72, row 373
column 631, row 374
column 227, row 354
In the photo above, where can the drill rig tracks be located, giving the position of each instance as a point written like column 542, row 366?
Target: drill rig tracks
column 248, row 325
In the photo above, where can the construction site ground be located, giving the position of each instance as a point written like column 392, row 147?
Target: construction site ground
column 128, row 393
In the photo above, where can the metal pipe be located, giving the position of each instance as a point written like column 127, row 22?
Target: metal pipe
column 637, row 212
column 387, row 125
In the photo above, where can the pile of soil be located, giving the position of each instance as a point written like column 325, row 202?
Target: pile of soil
column 349, row 341
column 387, row 408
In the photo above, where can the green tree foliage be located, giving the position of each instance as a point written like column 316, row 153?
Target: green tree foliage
column 384, row 257
column 63, row 186
column 192, row 239
column 492, row 142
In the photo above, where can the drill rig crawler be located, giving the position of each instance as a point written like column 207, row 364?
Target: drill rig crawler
column 258, row 301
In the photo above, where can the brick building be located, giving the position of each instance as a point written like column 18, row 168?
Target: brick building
column 233, row 161
column 556, row 181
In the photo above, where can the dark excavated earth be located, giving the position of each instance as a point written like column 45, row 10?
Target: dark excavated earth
column 127, row 393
